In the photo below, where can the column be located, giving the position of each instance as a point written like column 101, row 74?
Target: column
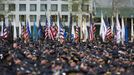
column 38, row 13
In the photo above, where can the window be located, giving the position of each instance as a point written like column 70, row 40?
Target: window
column 11, row 7
column 32, row 18
column 54, row 7
column 75, row 7
column 54, row 17
column 11, row 17
column 32, row 7
column 43, row 7
column 64, row 7
column 85, row 8
column 22, row 18
column 22, row 7
column 75, row 18
column 42, row 18
column 64, row 18
column 2, row 7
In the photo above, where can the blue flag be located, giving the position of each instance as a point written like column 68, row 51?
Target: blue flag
column 35, row 33
column 28, row 29
column 126, row 34
column 40, row 33
column 65, row 35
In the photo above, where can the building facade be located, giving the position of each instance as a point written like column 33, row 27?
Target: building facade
column 35, row 10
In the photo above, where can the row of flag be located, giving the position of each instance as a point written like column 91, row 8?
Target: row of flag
column 117, row 31
column 57, row 32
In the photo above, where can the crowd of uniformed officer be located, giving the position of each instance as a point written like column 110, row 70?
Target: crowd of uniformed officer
column 52, row 58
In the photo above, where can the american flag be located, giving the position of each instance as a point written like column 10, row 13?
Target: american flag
column 55, row 30
column 91, row 35
column 46, row 29
column 26, row 32
column 49, row 31
column 108, row 32
column 5, row 32
column 77, row 33
column 25, row 35
column 23, row 30
column 92, row 29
